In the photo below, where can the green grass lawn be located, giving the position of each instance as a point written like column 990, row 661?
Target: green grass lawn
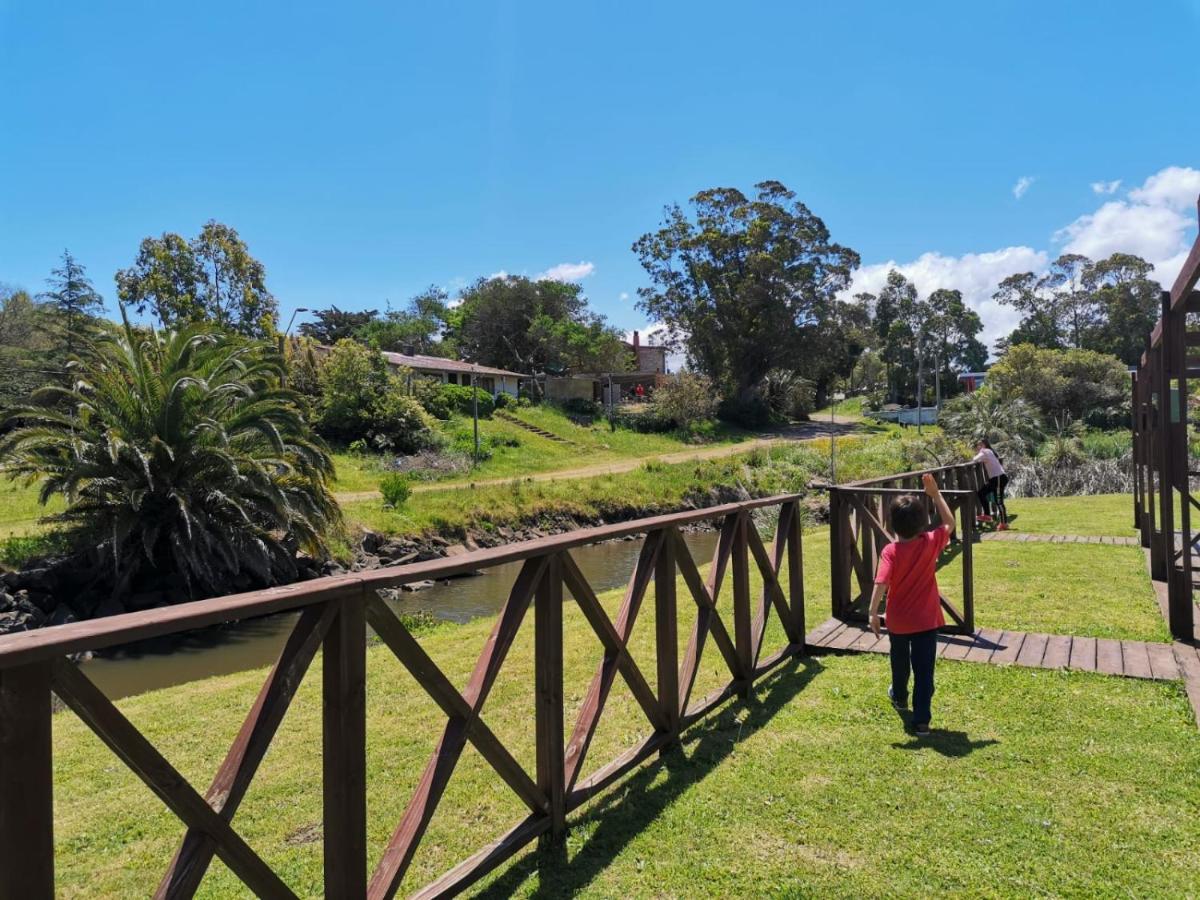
column 1037, row 782
column 1104, row 514
column 19, row 509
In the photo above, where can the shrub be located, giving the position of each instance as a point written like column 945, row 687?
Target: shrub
column 646, row 421
column 1089, row 387
column 752, row 413
column 1009, row 424
column 178, row 452
column 361, row 400
column 396, row 488
column 579, row 406
column 444, row 400
column 685, row 400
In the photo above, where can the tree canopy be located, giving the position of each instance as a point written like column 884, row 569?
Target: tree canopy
column 1108, row 306
column 71, row 294
column 751, row 285
column 524, row 325
column 212, row 278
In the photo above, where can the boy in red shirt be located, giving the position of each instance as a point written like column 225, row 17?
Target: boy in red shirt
column 907, row 573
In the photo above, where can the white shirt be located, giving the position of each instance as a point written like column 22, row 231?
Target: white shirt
column 991, row 463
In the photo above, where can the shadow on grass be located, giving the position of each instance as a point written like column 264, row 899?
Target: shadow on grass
column 621, row 814
column 948, row 743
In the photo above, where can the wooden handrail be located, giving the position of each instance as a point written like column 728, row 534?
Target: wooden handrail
column 25, row 647
column 914, row 474
column 336, row 614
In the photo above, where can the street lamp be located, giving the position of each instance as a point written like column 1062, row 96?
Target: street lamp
column 299, row 309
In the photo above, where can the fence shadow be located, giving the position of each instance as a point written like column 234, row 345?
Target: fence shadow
column 634, row 804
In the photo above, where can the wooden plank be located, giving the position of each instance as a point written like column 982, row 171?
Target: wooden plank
column 1108, row 657
column 741, row 598
column 49, row 643
column 470, row 870
column 823, row 630
column 1162, row 661
column 833, row 634
column 425, row 671
column 1058, row 652
column 548, row 695
column 403, row 844
column 842, row 640
column 666, row 635
column 1188, row 657
column 616, row 653
column 344, row 755
column 26, row 784
column 707, row 620
column 143, row 759
column 865, row 642
column 958, row 646
column 228, row 788
column 986, row 642
column 1032, row 649
column 1136, row 659
column 768, row 566
column 1008, row 648
column 795, row 558
column 1083, row 654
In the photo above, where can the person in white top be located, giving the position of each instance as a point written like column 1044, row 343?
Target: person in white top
column 991, row 495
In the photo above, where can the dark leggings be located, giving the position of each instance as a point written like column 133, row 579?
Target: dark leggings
column 1001, row 509
column 986, row 495
column 916, row 652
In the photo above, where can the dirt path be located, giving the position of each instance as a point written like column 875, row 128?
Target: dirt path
column 801, row 431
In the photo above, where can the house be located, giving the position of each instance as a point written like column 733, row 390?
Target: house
column 650, row 359
column 972, row 381
column 456, row 371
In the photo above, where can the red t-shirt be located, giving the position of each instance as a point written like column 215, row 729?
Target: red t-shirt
column 909, row 569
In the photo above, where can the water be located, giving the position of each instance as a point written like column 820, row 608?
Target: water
column 256, row 643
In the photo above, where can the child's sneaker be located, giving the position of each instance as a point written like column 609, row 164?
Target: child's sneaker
column 922, row 730
column 896, row 704
column 1003, row 526
column 983, row 517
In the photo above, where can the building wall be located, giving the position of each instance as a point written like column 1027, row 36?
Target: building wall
column 651, row 359
column 570, row 388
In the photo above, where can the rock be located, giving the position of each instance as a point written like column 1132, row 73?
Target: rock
column 40, row 580
column 438, row 541
column 62, row 615
column 110, row 607
column 407, row 558
column 470, row 544
column 144, row 600
column 417, row 586
column 371, row 542
column 456, row 550
column 42, row 600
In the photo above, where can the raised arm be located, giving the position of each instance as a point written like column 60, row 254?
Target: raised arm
column 939, row 501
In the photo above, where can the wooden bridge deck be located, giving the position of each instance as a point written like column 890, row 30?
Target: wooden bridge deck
column 1134, row 659
column 1028, row 537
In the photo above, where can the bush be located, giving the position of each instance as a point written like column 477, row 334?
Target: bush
column 647, row 421
column 579, row 406
column 361, row 400
column 685, row 400
column 178, row 452
column 504, row 400
column 444, row 400
column 396, row 488
column 753, row 413
column 1089, row 387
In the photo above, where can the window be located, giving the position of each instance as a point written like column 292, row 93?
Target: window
column 451, row 378
column 488, row 384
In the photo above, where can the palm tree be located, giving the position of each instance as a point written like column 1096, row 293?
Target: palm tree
column 1010, row 425
column 180, row 452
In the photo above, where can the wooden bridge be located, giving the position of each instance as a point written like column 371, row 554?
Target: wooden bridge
column 334, row 615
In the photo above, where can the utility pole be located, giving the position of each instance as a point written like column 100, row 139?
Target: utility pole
column 920, row 379
column 475, row 412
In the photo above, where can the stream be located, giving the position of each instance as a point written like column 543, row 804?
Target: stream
column 256, row 643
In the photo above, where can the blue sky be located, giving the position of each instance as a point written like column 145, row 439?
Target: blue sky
column 365, row 151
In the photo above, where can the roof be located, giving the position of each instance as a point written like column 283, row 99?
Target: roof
column 440, row 364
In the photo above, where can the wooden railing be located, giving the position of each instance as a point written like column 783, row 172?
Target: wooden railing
column 334, row 615
column 858, row 532
column 1163, row 501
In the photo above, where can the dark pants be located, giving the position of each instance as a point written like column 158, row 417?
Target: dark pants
column 918, row 652
column 987, row 496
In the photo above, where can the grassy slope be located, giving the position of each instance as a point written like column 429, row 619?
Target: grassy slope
column 1036, row 779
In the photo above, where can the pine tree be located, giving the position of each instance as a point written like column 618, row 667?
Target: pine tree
column 72, row 295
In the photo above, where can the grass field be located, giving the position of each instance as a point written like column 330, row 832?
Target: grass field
column 1035, row 782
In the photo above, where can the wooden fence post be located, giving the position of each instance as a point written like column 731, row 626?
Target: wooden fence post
column 742, row 625
column 666, row 631
column 344, row 681
column 26, row 784
column 548, row 680
column 839, row 575
column 795, row 560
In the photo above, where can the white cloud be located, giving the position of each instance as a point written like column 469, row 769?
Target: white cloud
column 1105, row 187
column 501, row 274
column 1024, row 183
column 567, row 272
column 1153, row 221
column 623, row 296
column 975, row 274
column 1175, row 186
